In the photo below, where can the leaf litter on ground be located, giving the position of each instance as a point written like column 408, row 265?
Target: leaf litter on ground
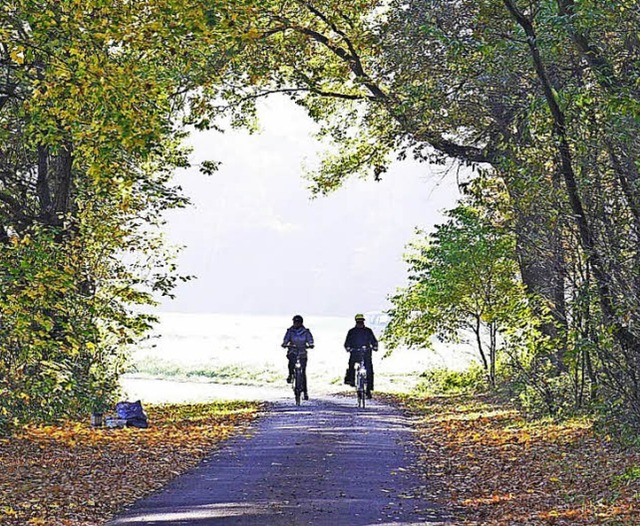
column 488, row 465
column 72, row 474
column 482, row 461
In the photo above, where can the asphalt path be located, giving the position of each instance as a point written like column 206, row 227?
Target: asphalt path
column 323, row 463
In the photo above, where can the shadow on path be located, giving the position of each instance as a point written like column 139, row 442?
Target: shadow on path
column 323, row 463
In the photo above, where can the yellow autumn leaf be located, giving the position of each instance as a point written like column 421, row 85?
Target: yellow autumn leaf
column 253, row 33
column 17, row 56
column 8, row 511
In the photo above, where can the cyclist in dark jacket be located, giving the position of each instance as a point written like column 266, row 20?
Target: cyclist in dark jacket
column 358, row 337
column 297, row 340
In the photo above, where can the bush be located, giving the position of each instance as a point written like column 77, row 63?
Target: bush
column 548, row 396
column 614, row 421
column 448, row 381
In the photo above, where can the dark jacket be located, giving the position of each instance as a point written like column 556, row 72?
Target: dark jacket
column 361, row 336
column 300, row 337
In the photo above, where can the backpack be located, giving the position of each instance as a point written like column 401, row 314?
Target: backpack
column 133, row 413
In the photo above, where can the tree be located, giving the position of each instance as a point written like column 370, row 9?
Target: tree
column 463, row 278
column 91, row 94
column 418, row 79
column 544, row 93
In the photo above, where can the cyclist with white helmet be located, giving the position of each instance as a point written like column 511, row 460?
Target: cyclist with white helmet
column 357, row 338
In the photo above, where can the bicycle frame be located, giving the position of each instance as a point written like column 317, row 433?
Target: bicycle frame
column 298, row 375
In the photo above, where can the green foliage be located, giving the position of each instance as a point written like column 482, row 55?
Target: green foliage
column 448, row 381
column 630, row 475
column 93, row 95
column 89, row 100
column 464, row 279
column 65, row 323
column 616, row 427
column 458, row 273
column 544, row 393
column 545, row 96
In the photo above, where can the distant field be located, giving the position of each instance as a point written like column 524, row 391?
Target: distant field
column 244, row 350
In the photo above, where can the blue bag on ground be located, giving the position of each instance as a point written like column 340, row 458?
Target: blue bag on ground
column 133, row 413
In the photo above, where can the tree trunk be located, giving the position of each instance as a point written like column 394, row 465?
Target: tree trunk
column 492, row 353
column 477, row 329
column 54, row 184
column 541, row 262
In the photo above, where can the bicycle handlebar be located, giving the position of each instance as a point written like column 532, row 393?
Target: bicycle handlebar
column 292, row 345
column 362, row 348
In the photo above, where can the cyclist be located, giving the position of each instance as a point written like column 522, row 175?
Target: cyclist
column 297, row 340
column 358, row 337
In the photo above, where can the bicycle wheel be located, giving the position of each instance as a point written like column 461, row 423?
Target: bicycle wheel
column 361, row 385
column 297, row 385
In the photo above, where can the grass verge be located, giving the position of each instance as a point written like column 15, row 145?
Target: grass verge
column 72, row 475
column 489, row 466
column 242, row 374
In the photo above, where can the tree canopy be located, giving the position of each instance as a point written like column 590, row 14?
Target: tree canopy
column 464, row 281
column 95, row 98
column 542, row 94
column 91, row 96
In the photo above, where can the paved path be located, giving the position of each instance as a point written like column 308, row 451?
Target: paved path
column 324, row 463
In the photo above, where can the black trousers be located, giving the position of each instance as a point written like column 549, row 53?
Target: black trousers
column 354, row 357
column 292, row 356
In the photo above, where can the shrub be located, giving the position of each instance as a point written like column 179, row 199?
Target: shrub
column 448, row 381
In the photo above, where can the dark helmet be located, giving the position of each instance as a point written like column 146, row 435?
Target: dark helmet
column 297, row 317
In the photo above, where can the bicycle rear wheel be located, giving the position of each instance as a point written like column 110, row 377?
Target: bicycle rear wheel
column 361, row 385
column 297, row 385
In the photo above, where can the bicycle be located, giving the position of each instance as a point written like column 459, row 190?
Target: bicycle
column 360, row 375
column 298, row 380
column 298, row 383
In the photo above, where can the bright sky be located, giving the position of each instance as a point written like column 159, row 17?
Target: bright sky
column 260, row 245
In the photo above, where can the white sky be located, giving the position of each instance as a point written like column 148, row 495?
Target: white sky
column 258, row 243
